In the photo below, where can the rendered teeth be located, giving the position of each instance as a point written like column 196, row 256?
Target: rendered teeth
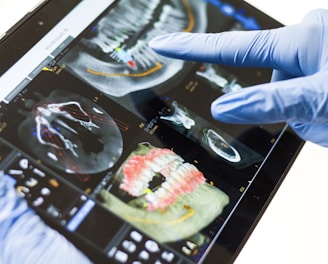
column 150, row 198
column 147, row 175
column 177, row 16
column 167, row 186
column 144, row 62
column 139, row 59
column 161, row 161
column 136, row 15
column 118, row 39
column 170, row 158
column 175, row 164
column 154, row 166
column 167, row 9
column 184, row 172
column 152, row 34
column 122, row 37
column 115, row 23
column 181, row 177
column 105, row 46
column 117, row 28
column 177, row 177
column 160, row 193
column 187, row 169
column 139, row 187
column 150, row 55
column 140, row 52
column 162, row 28
column 159, row 30
column 170, row 18
column 169, row 23
column 148, row 7
column 153, row 4
column 174, row 12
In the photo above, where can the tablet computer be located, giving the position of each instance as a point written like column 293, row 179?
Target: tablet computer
column 114, row 145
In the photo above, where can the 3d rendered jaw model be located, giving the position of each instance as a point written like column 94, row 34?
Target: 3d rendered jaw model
column 71, row 133
column 114, row 56
column 169, row 199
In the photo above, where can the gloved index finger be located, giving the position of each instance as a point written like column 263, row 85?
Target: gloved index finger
column 263, row 48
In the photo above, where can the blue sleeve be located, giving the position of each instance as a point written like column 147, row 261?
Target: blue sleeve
column 25, row 238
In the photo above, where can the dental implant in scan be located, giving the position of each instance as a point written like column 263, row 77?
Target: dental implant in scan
column 163, row 195
column 114, row 56
column 70, row 132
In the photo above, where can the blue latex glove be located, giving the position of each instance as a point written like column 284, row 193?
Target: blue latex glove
column 24, row 238
column 298, row 92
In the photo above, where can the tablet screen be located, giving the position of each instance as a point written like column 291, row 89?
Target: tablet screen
column 115, row 145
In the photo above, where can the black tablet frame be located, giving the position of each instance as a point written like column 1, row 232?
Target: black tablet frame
column 35, row 25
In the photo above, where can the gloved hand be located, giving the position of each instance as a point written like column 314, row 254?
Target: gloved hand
column 298, row 91
column 24, row 238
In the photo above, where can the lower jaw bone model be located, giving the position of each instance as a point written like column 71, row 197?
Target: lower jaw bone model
column 176, row 205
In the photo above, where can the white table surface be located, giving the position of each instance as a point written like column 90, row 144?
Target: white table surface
column 294, row 228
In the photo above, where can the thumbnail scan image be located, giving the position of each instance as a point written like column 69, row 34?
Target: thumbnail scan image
column 220, row 146
column 163, row 195
column 209, row 137
column 114, row 55
column 218, row 79
column 70, row 133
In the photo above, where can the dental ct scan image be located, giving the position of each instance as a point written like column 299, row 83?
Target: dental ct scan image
column 115, row 145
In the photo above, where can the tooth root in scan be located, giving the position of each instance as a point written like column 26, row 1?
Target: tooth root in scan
column 168, row 198
column 180, row 116
column 70, row 133
column 115, row 57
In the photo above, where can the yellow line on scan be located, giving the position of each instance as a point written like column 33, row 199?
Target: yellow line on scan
column 154, row 222
column 141, row 74
column 158, row 66
column 190, row 16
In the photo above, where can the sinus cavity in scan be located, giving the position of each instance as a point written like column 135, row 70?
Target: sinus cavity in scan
column 70, row 133
column 163, row 195
column 114, row 55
